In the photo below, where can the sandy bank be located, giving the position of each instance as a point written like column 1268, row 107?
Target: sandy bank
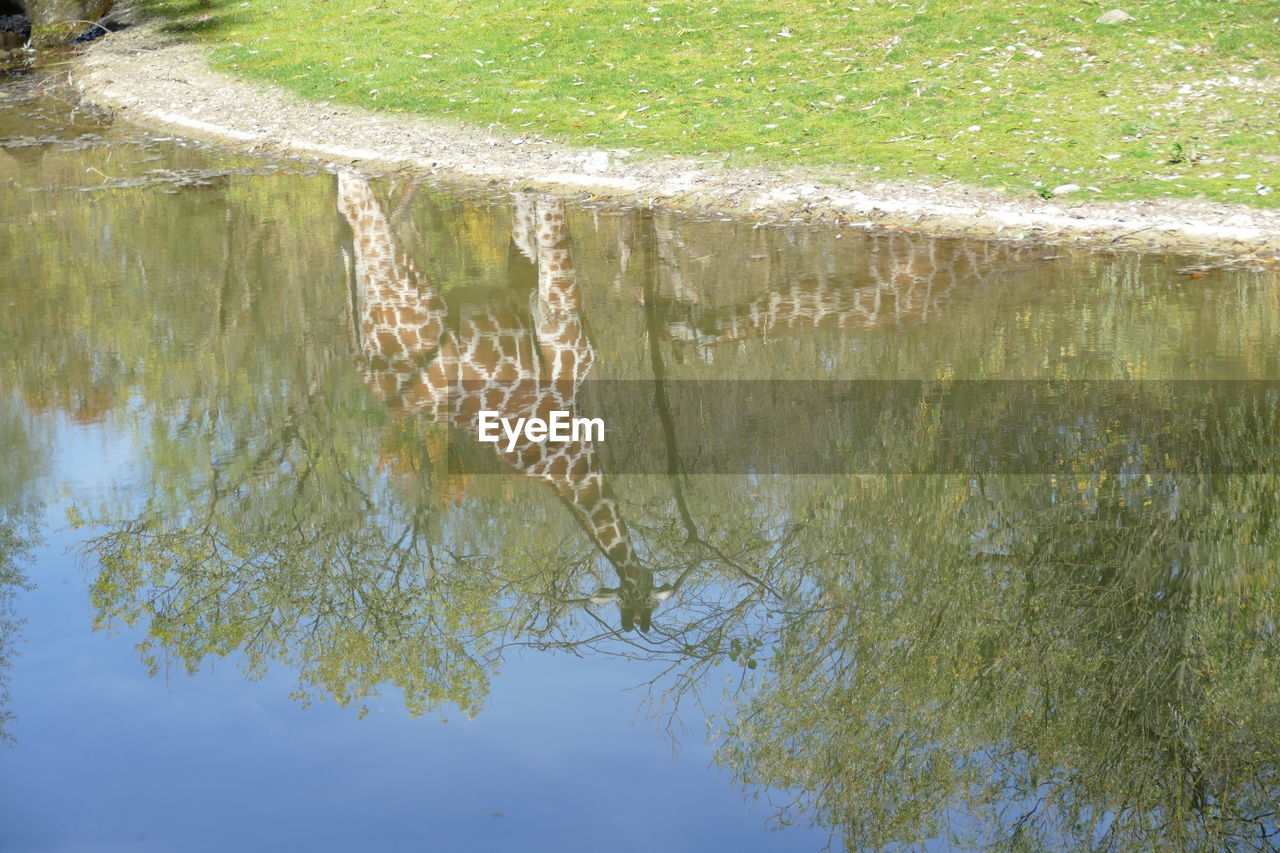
column 151, row 80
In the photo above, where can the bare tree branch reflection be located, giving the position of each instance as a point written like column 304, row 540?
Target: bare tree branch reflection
column 1082, row 660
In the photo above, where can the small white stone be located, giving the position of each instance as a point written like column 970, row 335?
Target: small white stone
column 1066, row 189
column 1116, row 16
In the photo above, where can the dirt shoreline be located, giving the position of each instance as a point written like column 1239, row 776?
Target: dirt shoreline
column 151, row 80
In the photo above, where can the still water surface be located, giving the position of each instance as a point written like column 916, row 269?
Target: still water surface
column 252, row 556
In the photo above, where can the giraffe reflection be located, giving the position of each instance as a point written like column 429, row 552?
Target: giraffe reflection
column 899, row 281
column 420, row 358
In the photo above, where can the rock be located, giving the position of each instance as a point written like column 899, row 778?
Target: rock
column 1116, row 16
column 59, row 21
column 1066, row 189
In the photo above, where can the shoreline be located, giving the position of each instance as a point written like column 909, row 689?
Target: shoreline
column 149, row 79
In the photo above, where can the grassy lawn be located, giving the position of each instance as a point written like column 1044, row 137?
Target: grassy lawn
column 1182, row 102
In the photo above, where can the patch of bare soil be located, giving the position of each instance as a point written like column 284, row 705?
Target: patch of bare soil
column 151, row 80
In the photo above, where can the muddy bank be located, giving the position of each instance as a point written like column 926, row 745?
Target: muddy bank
column 149, row 79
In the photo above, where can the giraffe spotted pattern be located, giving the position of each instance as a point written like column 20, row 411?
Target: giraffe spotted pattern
column 900, row 281
column 496, row 357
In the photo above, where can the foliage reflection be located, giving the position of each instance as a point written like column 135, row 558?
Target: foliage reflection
column 1088, row 659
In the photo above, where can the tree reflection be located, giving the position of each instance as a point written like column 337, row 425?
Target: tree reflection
column 1032, row 666
column 1083, row 660
column 20, row 462
column 17, row 538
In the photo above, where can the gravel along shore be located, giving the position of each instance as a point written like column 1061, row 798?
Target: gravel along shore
column 149, row 79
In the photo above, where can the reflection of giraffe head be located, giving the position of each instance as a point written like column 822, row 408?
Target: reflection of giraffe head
column 637, row 600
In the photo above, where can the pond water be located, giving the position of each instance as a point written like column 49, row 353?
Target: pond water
column 888, row 542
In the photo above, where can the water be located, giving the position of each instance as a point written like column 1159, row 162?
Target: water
column 889, row 541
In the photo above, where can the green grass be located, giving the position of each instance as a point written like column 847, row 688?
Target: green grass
column 1184, row 102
